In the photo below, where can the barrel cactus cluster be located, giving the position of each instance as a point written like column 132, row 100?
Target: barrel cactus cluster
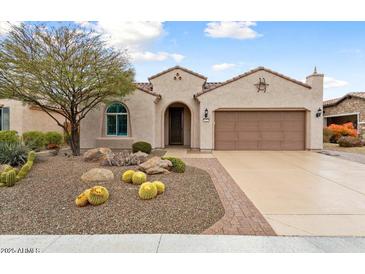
column 147, row 190
column 96, row 195
column 10, row 175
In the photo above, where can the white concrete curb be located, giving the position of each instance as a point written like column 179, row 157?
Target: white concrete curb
column 171, row 243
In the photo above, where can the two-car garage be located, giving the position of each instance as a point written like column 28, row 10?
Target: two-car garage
column 260, row 130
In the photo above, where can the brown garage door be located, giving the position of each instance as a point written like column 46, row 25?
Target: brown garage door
column 260, row 130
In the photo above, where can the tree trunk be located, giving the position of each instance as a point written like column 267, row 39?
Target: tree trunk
column 75, row 140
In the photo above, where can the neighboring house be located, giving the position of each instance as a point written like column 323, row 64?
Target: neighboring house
column 14, row 115
column 348, row 108
column 258, row 110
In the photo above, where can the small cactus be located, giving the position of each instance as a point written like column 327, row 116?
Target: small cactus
column 127, row 176
column 139, row 178
column 31, row 156
column 7, row 168
column 3, row 177
column 147, row 191
column 24, row 170
column 160, row 186
column 10, row 178
column 82, row 199
column 98, row 195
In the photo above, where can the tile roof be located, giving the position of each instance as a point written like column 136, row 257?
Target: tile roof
column 147, row 87
column 178, row 67
column 216, row 85
column 335, row 101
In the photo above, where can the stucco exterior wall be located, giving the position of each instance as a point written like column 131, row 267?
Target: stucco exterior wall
column 177, row 91
column 280, row 94
column 141, row 117
column 23, row 118
column 148, row 119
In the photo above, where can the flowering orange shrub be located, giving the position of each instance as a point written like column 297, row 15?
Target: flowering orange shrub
column 346, row 129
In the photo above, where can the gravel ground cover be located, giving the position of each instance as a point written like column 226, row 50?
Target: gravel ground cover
column 43, row 203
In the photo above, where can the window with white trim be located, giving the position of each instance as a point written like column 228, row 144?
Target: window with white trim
column 116, row 120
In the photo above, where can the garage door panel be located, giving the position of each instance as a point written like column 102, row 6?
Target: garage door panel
column 247, row 145
column 293, row 115
column 270, row 116
column 270, row 125
column 292, row 145
column 270, row 145
column 248, row 116
column 293, row 136
column 260, row 130
column 228, row 145
column 225, row 126
column 292, row 125
column 249, row 135
column 226, row 116
column 274, row 135
column 228, row 136
column 247, row 126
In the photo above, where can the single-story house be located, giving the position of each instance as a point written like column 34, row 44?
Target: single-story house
column 257, row 110
column 14, row 115
column 348, row 108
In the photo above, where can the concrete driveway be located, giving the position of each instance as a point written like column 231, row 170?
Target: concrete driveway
column 301, row 193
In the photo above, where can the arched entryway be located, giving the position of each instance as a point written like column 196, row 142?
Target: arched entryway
column 177, row 125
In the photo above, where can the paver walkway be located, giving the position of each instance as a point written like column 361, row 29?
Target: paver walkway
column 241, row 216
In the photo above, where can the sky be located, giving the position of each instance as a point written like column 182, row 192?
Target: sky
column 222, row 50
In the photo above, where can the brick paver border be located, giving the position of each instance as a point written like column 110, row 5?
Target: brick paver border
column 241, row 216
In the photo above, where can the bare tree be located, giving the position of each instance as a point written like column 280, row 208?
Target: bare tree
column 65, row 70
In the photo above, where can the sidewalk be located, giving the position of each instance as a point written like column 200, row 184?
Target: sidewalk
column 164, row 243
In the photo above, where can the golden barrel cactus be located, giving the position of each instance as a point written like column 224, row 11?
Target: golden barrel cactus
column 139, row 177
column 147, row 191
column 81, row 200
column 98, row 195
column 127, row 176
column 160, row 186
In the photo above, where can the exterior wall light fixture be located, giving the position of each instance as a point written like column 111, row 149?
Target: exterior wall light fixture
column 319, row 113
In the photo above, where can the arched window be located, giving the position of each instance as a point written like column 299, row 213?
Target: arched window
column 116, row 120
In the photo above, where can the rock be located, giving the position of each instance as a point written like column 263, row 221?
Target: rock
column 155, row 165
column 138, row 158
column 157, row 170
column 123, row 159
column 97, row 175
column 96, row 154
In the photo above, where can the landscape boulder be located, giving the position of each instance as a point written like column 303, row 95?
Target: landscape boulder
column 155, row 165
column 97, row 175
column 124, row 159
column 96, row 154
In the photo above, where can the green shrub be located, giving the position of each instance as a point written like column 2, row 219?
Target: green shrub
column 53, row 138
column 327, row 135
column 178, row 165
column 35, row 140
column 9, row 136
column 142, row 146
column 349, row 141
column 14, row 154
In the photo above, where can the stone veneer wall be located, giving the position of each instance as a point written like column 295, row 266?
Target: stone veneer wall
column 349, row 105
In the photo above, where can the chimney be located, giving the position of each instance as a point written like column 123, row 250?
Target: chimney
column 315, row 80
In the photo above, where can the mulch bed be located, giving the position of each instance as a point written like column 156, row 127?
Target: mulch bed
column 43, row 203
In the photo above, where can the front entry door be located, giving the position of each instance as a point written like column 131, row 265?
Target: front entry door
column 176, row 132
